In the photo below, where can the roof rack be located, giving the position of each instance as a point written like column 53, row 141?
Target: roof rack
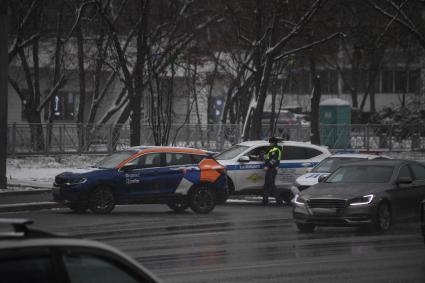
column 21, row 229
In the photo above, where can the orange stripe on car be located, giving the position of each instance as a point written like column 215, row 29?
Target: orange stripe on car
column 154, row 150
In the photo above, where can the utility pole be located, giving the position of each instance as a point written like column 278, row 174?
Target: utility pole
column 3, row 90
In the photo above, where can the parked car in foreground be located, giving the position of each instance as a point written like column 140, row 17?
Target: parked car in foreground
column 365, row 194
column 244, row 164
column 330, row 164
column 33, row 256
column 178, row 177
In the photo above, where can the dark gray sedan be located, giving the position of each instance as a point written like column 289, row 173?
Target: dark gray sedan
column 370, row 194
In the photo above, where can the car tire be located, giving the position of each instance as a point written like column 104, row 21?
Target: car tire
column 101, row 200
column 178, row 206
column 202, row 199
column 78, row 208
column 383, row 219
column 305, row 227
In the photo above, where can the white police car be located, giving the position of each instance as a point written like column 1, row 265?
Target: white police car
column 330, row 164
column 244, row 165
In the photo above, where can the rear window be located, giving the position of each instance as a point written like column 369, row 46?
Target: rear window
column 178, row 159
column 198, row 158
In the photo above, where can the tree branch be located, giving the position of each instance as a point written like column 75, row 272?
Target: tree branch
column 308, row 46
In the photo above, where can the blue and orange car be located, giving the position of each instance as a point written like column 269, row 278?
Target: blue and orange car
column 178, row 177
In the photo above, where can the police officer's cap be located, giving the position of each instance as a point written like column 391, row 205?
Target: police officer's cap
column 273, row 140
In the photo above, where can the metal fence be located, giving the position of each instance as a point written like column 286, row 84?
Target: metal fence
column 56, row 138
column 25, row 139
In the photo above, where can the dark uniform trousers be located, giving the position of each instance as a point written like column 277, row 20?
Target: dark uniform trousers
column 269, row 185
column 269, row 189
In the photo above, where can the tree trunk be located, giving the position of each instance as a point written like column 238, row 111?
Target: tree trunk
column 136, row 101
column 81, row 73
column 355, row 76
column 3, row 90
column 315, row 102
column 255, row 130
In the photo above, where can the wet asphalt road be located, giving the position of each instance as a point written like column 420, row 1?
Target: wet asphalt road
column 245, row 243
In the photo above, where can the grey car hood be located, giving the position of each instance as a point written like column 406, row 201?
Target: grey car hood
column 344, row 190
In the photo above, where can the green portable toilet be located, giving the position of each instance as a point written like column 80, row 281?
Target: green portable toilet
column 335, row 121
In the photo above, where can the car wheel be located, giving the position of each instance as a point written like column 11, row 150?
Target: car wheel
column 102, row 200
column 178, row 206
column 305, row 227
column 383, row 217
column 202, row 199
column 78, row 208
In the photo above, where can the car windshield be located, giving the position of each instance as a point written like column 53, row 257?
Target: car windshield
column 330, row 164
column 361, row 174
column 231, row 152
column 111, row 161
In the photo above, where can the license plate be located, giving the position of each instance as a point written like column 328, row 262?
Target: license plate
column 325, row 211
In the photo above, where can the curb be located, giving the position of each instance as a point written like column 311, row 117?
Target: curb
column 32, row 206
column 25, row 192
column 16, row 207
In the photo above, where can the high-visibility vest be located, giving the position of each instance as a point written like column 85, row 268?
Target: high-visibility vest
column 273, row 150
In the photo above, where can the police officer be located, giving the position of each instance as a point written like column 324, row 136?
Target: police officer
column 271, row 163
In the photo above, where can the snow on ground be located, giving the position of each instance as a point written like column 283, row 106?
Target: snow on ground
column 40, row 171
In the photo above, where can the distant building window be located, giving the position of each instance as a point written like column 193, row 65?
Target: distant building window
column 63, row 106
column 413, row 81
column 300, row 82
column 329, row 81
column 305, row 82
column 24, row 104
column 23, row 109
column 400, row 81
column 387, row 81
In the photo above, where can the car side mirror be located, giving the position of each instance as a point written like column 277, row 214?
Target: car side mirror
column 404, row 181
column 128, row 167
column 244, row 159
column 322, row 178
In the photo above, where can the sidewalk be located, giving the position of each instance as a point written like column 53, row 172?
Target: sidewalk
column 22, row 197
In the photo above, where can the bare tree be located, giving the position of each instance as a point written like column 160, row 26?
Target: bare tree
column 164, row 40
column 26, row 47
column 274, row 39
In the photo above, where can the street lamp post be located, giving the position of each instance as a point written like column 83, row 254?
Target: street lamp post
column 3, row 90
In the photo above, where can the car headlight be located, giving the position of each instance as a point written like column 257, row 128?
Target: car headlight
column 362, row 200
column 299, row 200
column 76, row 181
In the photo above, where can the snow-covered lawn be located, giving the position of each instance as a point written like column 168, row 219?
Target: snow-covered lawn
column 41, row 171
